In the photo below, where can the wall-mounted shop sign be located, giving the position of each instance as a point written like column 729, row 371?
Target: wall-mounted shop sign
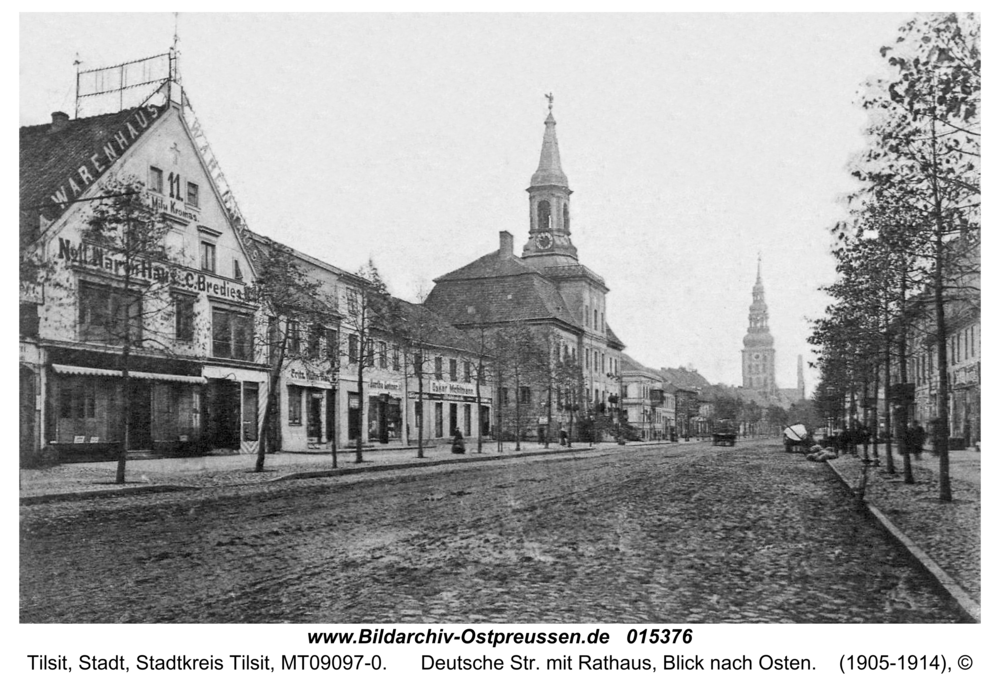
column 386, row 385
column 93, row 166
column 438, row 387
column 310, row 376
column 171, row 206
column 89, row 255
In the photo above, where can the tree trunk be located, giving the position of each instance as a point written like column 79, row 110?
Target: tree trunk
column 362, row 424
column 479, row 411
column 274, row 381
column 941, row 427
column 890, row 463
column 123, row 449
column 333, row 428
column 420, row 414
column 904, row 412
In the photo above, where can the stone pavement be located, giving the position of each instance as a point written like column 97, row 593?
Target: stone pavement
column 944, row 537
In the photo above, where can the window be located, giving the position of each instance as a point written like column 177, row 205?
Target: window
column 467, row 373
column 586, row 313
column 237, row 271
column 332, row 345
column 208, row 257
column 192, row 197
column 232, row 335
column 395, row 356
column 315, row 341
column 107, row 315
column 294, row 337
column 544, row 215
column 438, row 368
column 566, row 215
column 467, row 421
column 352, row 348
column 504, row 396
column 294, row 405
column 383, row 355
column 184, row 318
column 453, row 369
column 439, row 419
column 156, row 179
column 525, row 395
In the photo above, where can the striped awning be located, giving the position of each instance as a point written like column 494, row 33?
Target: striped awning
column 80, row 370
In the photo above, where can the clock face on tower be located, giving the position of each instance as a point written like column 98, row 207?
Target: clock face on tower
column 543, row 241
column 756, row 357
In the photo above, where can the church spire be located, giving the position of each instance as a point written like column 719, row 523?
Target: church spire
column 549, row 170
column 549, row 240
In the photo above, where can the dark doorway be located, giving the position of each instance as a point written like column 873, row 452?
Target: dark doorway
column 353, row 416
column 140, row 413
column 331, row 414
column 223, row 414
column 314, row 419
column 27, row 401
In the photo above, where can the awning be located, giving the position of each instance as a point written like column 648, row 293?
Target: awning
column 80, row 370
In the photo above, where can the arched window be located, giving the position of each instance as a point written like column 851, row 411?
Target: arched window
column 565, row 209
column 544, row 215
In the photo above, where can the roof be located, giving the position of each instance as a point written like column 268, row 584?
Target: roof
column 684, row 378
column 430, row 327
column 630, row 365
column 50, row 156
column 497, row 289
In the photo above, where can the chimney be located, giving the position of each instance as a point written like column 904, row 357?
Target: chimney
column 59, row 121
column 506, row 244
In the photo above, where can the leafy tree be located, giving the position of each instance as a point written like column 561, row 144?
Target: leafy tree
column 299, row 314
column 132, row 313
column 369, row 310
column 518, row 354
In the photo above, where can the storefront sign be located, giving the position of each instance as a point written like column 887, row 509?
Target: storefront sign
column 437, row 387
column 93, row 166
column 310, row 376
column 89, row 255
column 386, row 385
column 171, row 206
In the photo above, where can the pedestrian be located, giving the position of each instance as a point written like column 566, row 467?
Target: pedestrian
column 917, row 437
column 458, row 443
column 562, row 437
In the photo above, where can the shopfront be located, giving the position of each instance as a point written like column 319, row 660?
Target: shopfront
column 451, row 406
column 385, row 411
column 307, row 409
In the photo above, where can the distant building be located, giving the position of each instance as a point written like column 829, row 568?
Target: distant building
column 759, row 357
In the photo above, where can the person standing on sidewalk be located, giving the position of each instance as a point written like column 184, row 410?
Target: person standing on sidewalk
column 916, row 439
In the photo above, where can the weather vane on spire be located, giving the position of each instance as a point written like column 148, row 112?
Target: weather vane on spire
column 551, row 98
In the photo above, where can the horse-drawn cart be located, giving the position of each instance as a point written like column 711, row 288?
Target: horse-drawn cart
column 724, row 434
column 797, row 438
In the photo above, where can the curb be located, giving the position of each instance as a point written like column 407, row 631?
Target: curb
column 100, row 494
column 425, row 463
column 969, row 606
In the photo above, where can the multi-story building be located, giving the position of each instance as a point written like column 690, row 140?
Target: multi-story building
column 547, row 289
column 185, row 314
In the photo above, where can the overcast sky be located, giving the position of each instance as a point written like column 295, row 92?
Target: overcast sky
column 691, row 142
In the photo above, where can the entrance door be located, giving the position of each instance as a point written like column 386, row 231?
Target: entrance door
column 314, row 420
column 331, row 414
column 140, row 413
column 27, row 418
column 224, row 414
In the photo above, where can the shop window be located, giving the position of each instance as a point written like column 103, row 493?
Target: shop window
column 184, row 317
column 294, row 405
column 192, row 194
column 453, row 369
column 107, row 315
column 208, row 257
column 294, row 337
column 438, row 368
column 250, row 411
column 156, row 179
column 439, row 419
column 467, row 372
column 467, row 424
column 352, row 348
column 232, row 335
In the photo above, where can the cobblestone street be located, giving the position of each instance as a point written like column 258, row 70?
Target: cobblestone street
column 688, row 533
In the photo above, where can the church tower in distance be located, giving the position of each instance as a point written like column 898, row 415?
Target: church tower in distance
column 758, row 344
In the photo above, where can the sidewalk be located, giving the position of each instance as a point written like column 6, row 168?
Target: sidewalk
column 944, row 537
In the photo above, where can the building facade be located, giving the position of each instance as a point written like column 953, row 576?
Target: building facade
column 548, row 290
column 186, row 315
